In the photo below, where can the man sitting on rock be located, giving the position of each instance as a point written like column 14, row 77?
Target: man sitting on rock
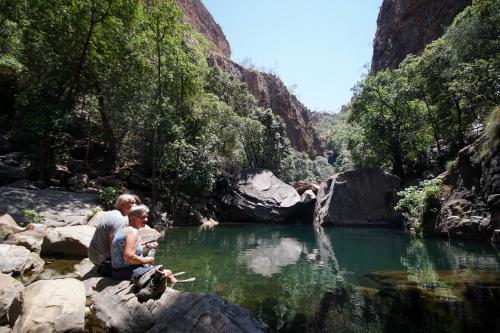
column 129, row 263
column 99, row 251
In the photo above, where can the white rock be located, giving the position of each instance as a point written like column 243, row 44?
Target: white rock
column 9, row 287
column 17, row 260
column 49, row 306
column 72, row 241
column 8, row 226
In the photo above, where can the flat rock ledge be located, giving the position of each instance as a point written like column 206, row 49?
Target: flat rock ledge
column 115, row 304
column 59, row 208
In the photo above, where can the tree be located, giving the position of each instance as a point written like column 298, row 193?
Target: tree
column 390, row 119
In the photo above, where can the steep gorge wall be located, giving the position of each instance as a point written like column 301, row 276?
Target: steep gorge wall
column 270, row 92
column 268, row 89
column 407, row 26
column 200, row 18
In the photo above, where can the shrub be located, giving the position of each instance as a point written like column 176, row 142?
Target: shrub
column 492, row 131
column 420, row 203
column 32, row 216
column 91, row 214
column 107, row 197
column 450, row 167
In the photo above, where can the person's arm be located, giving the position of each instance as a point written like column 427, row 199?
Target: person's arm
column 129, row 254
column 150, row 245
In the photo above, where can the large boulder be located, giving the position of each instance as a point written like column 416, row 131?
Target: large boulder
column 17, row 260
column 8, row 226
column 258, row 196
column 115, row 303
column 49, row 306
column 58, row 208
column 149, row 234
column 71, row 241
column 363, row 197
column 9, row 287
column 30, row 239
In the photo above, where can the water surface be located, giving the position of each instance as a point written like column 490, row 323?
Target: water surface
column 282, row 272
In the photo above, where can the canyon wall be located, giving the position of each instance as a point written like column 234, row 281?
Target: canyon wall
column 268, row 89
column 202, row 21
column 407, row 26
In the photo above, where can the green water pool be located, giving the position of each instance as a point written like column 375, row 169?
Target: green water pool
column 281, row 273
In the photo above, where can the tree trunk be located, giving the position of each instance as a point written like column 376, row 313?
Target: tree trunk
column 108, row 135
column 460, row 133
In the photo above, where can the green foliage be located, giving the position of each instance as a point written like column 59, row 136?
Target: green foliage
column 32, row 216
column 107, row 197
column 301, row 167
column 92, row 213
column 261, row 137
column 420, row 203
column 492, row 132
column 450, row 167
column 431, row 101
column 390, row 119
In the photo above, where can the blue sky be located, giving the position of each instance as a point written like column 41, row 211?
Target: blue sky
column 319, row 47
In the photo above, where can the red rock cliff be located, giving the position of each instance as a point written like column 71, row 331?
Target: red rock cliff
column 270, row 92
column 268, row 89
column 407, row 26
column 200, row 18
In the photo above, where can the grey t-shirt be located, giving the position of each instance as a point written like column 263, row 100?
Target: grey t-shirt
column 99, row 249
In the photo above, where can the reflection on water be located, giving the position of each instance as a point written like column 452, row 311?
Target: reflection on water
column 270, row 255
column 419, row 265
column 282, row 273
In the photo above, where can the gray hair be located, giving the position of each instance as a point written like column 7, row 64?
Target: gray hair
column 123, row 198
column 137, row 211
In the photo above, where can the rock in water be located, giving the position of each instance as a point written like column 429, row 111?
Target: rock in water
column 49, row 306
column 364, row 197
column 9, row 287
column 258, row 196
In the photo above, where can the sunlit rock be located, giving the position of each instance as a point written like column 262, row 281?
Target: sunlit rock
column 258, row 196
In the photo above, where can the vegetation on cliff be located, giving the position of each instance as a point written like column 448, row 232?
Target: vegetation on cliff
column 421, row 114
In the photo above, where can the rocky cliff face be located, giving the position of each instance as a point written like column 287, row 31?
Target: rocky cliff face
column 268, row 89
column 270, row 92
column 471, row 207
column 200, row 18
column 407, row 26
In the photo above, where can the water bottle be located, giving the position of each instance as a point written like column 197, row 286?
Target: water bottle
column 151, row 252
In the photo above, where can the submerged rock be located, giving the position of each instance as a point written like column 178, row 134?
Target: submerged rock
column 404, row 308
column 360, row 197
column 49, row 306
column 258, row 196
column 116, row 304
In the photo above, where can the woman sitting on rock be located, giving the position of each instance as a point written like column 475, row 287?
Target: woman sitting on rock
column 129, row 263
